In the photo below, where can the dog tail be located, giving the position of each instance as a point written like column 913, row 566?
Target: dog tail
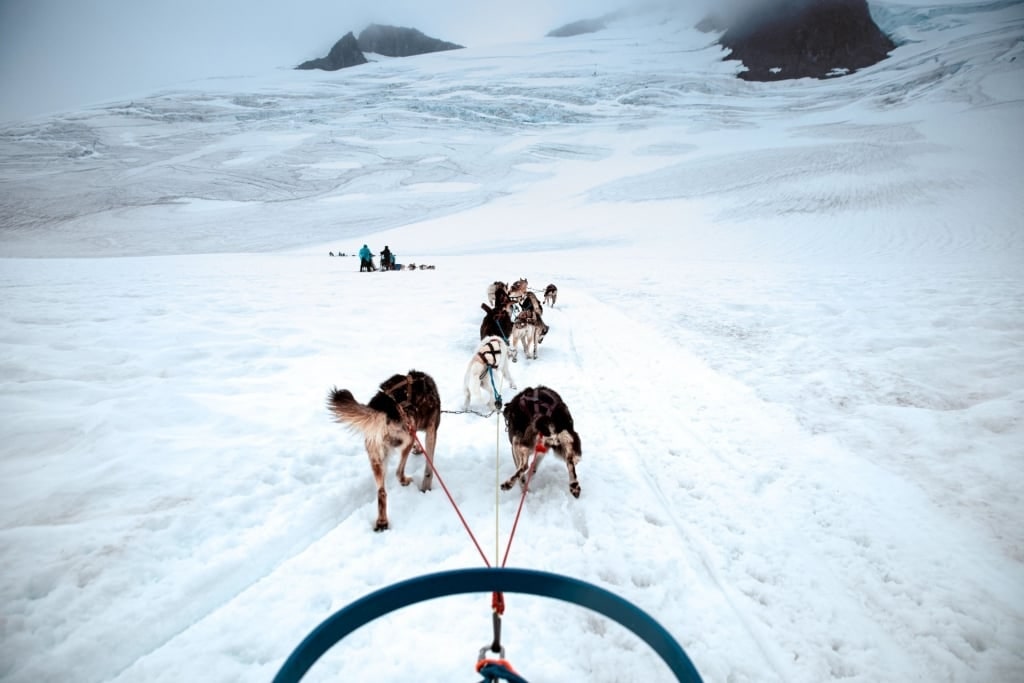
column 354, row 415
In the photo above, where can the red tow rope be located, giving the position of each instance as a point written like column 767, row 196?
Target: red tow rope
column 538, row 449
column 497, row 597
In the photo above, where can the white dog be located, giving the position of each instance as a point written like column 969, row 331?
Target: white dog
column 491, row 357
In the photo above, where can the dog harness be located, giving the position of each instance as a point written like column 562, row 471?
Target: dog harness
column 535, row 403
column 526, row 317
column 541, row 402
column 499, row 319
column 401, row 389
column 490, row 356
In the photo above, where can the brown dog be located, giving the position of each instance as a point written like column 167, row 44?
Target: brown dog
column 538, row 419
column 404, row 405
column 518, row 289
column 497, row 322
column 528, row 331
column 550, row 295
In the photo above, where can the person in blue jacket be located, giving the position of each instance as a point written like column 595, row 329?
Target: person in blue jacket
column 365, row 259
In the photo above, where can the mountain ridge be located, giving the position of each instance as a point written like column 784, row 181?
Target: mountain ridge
column 382, row 39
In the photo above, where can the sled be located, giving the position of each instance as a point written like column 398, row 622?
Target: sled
column 496, row 580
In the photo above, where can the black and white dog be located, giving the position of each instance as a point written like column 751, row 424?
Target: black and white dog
column 491, row 358
column 537, row 419
column 493, row 289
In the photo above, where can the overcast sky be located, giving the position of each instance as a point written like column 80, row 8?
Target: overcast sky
column 63, row 54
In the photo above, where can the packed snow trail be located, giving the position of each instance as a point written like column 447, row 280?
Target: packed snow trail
column 473, row 454
column 676, row 457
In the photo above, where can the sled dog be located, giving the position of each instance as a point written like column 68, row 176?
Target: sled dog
column 490, row 358
column 493, row 289
column 528, row 332
column 538, row 419
column 404, row 405
column 550, row 295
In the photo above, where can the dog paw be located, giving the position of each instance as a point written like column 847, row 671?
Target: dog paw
column 574, row 489
column 506, row 486
column 381, row 525
column 405, row 481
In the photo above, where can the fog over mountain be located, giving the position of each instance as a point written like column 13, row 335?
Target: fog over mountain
column 56, row 54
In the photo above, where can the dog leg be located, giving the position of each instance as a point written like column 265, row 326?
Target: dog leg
column 466, row 390
column 537, row 456
column 377, row 465
column 521, row 457
column 508, row 376
column 520, row 466
column 428, row 470
column 574, row 484
column 510, row 482
column 473, row 383
column 488, row 391
column 406, row 447
column 567, row 447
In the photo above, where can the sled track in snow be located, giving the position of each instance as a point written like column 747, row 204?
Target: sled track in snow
column 733, row 476
column 599, row 367
column 339, row 505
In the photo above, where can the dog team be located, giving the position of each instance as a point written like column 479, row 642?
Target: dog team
column 537, row 419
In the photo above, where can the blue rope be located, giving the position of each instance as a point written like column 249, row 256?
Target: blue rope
column 502, row 333
column 460, row 581
column 497, row 396
column 493, row 671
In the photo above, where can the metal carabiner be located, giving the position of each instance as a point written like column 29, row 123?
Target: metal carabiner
column 481, row 656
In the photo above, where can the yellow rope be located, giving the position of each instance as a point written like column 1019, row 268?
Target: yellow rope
column 497, row 477
column 497, row 487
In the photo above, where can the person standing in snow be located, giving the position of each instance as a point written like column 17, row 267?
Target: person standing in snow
column 365, row 260
column 387, row 259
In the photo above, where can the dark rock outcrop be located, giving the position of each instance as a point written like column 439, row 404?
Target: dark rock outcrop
column 396, row 41
column 780, row 39
column 578, row 28
column 345, row 53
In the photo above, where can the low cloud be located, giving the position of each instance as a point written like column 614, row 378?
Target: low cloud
column 61, row 54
